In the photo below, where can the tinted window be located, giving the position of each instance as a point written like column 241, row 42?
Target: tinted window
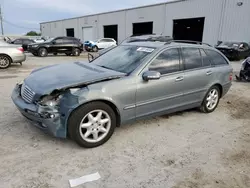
column 216, row 58
column 18, row 41
column 106, row 40
column 167, row 62
column 59, row 41
column 205, row 59
column 192, row 58
column 67, row 41
column 27, row 41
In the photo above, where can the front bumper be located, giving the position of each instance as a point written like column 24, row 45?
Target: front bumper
column 47, row 119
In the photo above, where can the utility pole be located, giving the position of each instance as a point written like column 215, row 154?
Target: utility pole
column 1, row 20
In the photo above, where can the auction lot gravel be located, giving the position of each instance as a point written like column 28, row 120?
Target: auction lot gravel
column 183, row 150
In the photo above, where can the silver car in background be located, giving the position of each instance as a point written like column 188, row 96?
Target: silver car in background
column 10, row 54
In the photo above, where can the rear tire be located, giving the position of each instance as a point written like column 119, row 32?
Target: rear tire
column 5, row 61
column 55, row 53
column 76, row 52
column 35, row 54
column 68, row 54
column 99, row 129
column 42, row 52
column 211, row 100
column 95, row 49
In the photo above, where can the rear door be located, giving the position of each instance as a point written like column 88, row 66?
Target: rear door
column 197, row 74
column 158, row 96
column 68, row 44
column 222, row 71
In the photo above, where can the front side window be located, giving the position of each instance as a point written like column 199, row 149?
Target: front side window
column 123, row 58
column 59, row 41
column 216, row 58
column 192, row 58
column 18, row 41
column 167, row 62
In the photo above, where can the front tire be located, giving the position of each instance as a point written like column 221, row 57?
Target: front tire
column 211, row 100
column 95, row 49
column 5, row 61
column 55, row 53
column 76, row 52
column 42, row 52
column 92, row 125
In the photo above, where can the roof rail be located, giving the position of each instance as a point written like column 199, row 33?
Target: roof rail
column 189, row 42
column 148, row 38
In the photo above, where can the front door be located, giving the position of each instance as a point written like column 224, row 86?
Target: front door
column 157, row 96
column 57, row 46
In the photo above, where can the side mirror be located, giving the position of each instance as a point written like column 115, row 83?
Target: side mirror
column 90, row 57
column 151, row 75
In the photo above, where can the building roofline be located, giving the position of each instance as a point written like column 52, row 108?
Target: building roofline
column 120, row 10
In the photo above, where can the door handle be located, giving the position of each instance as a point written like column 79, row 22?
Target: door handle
column 209, row 73
column 180, row 78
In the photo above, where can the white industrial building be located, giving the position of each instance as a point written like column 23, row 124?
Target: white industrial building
column 203, row 20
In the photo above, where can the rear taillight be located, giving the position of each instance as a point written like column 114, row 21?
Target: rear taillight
column 231, row 76
column 20, row 49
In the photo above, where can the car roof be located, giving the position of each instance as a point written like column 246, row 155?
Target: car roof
column 158, row 44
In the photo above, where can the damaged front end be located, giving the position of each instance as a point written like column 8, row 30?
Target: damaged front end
column 245, row 71
column 51, row 111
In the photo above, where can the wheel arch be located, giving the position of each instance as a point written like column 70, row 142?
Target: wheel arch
column 220, row 88
column 11, row 60
column 109, row 103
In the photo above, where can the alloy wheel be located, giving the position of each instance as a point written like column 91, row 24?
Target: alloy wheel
column 95, row 126
column 212, row 99
column 4, row 62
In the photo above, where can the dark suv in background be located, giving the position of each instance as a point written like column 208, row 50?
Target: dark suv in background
column 66, row 45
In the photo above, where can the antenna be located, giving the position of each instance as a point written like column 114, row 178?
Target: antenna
column 1, row 20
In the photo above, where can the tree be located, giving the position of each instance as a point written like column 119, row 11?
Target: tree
column 33, row 33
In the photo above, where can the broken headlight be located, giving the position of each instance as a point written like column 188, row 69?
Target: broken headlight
column 50, row 100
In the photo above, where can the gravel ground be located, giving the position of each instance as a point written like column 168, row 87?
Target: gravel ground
column 184, row 150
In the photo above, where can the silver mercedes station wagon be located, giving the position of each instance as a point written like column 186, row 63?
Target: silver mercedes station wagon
column 137, row 79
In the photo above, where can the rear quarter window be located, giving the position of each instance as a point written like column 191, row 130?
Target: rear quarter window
column 216, row 58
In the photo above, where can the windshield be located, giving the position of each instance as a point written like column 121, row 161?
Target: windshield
column 123, row 58
column 229, row 44
column 49, row 40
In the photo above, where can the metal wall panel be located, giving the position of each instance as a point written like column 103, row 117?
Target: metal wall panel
column 153, row 14
column 224, row 20
column 236, row 21
column 90, row 21
column 210, row 9
column 113, row 18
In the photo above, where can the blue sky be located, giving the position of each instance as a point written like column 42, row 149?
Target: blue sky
column 29, row 13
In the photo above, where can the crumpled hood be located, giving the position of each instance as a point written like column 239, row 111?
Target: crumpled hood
column 46, row 79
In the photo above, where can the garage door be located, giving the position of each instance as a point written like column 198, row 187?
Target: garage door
column 87, row 33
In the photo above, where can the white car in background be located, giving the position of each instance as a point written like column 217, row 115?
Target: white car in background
column 105, row 43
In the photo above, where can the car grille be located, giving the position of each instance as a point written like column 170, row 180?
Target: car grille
column 27, row 94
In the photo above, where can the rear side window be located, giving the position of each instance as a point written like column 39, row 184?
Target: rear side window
column 192, row 58
column 68, row 41
column 167, row 62
column 216, row 58
column 205, row 59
